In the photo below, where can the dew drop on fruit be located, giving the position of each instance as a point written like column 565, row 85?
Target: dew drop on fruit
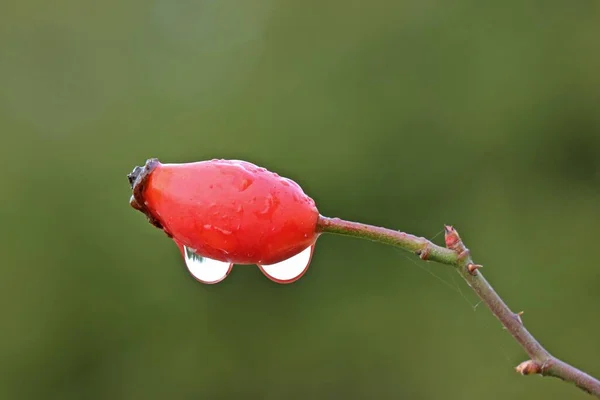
column 224, row 231
column 290, row 270
column 205, row 270
column 266, row 208
column 245, row 184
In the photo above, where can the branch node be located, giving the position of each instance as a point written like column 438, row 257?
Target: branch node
column 424, row 253
column 472, row 268
column 464, row 254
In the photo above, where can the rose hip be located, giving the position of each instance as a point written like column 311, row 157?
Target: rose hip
column 228, row 211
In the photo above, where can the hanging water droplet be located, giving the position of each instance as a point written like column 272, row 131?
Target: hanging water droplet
column 290, row 270
column 205, row 270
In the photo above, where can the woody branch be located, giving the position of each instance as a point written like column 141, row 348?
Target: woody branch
column 456, row 254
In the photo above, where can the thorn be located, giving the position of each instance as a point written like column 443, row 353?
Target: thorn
column 528, row 367
column 449, row 229
column 472, row 268
column 518, row 316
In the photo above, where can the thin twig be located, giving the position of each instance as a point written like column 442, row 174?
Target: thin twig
column 457, row 255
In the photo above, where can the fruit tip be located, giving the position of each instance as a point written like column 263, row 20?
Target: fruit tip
column 140, row 173
column 137, row 180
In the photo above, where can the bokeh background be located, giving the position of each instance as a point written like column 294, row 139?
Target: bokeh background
column 406, row 114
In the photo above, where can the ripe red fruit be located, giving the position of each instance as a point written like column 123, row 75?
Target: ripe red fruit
column 228, row 211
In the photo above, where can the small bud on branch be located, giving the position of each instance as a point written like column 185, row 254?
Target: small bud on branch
column 528, row 367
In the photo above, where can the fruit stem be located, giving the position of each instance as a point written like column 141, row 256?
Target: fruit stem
column 418, row 245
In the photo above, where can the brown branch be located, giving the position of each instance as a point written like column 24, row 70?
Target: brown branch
column 456, row 254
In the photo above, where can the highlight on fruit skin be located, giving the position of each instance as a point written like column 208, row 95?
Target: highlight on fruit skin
column 225, row 212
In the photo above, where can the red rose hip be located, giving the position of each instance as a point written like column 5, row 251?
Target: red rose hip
column 225, row 212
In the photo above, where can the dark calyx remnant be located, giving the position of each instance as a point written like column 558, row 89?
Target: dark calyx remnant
column 138, row 178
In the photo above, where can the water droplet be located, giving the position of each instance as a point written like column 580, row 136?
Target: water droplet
column 214, row 209
column 245, row 184
column 207, row 226
column 267, row 206
column 205, row 270
column 290, row 270
column 222, row 230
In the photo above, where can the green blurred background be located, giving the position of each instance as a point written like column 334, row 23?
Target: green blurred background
column 407, row 114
